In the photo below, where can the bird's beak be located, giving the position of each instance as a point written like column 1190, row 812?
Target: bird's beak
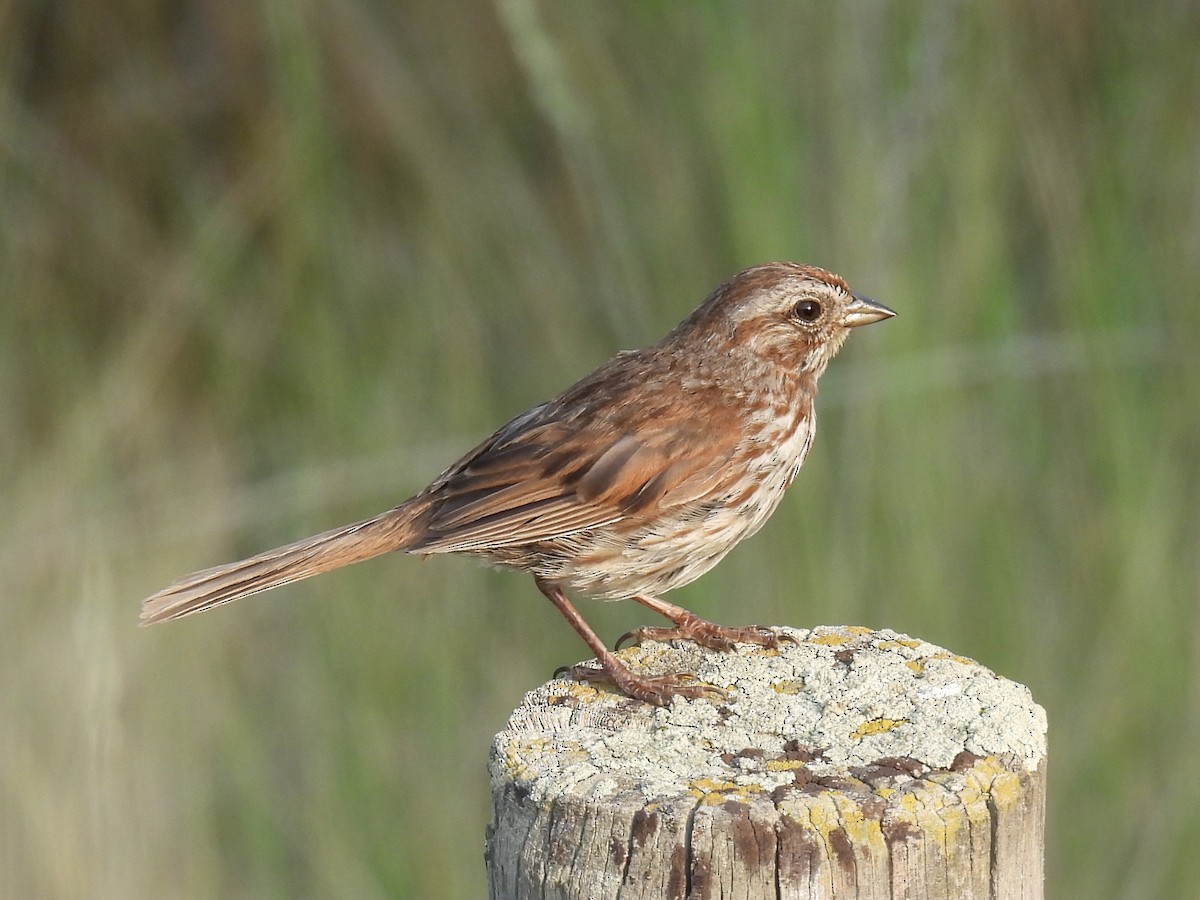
column 863, row 311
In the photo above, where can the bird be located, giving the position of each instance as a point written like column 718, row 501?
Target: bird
column 632, row 482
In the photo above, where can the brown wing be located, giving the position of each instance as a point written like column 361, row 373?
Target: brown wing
column 570, row 465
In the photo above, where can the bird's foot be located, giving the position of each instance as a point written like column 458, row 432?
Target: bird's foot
column 655, row 689
column 690, row 627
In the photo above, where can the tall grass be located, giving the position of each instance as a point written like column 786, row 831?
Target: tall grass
column 266, row 267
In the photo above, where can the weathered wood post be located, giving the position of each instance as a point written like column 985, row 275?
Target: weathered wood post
column 849, row 764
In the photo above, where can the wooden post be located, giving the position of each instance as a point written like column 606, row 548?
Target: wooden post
column 849, row 764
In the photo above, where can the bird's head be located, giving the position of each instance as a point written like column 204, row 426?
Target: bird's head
column 795, row 315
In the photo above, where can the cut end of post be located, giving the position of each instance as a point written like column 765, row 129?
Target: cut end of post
column 846, row 757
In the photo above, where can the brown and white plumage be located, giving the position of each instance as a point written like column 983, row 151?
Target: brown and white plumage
column 634, row 481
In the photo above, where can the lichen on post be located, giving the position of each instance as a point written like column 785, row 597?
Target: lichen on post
column 848, row 763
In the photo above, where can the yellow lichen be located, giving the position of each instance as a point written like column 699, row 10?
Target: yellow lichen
column 711, row 792
column 1006, row 790
column 581, row 690
column 835, row 637
column 875, row 726
column 954, row 657
column 896, row 643
column 783, row 765
column 833, row 811
column 829, row 639
column 711, row 785
column 788, row 686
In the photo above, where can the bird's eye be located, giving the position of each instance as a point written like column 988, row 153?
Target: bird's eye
column 808, row 310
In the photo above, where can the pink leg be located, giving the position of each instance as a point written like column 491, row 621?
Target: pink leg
column 690, row 627
column 656, row 689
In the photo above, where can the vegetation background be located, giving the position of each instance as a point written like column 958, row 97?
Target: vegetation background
column 266, row 267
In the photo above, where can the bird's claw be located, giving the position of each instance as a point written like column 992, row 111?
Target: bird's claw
column 655, row 689
column 709, row 635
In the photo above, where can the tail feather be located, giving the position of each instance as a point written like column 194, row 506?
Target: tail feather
column 393, row 530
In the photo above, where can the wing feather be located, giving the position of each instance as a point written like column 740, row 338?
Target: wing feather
column 556, row 471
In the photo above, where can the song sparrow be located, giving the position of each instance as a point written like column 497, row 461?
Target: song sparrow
column 636, row 480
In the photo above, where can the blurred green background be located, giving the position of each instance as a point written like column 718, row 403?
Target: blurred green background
column 266, row 267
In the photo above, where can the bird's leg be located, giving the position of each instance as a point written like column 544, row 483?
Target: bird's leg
column 656, row 689
column 690, row 627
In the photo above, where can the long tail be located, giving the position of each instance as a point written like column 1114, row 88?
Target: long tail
column 392, row 530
